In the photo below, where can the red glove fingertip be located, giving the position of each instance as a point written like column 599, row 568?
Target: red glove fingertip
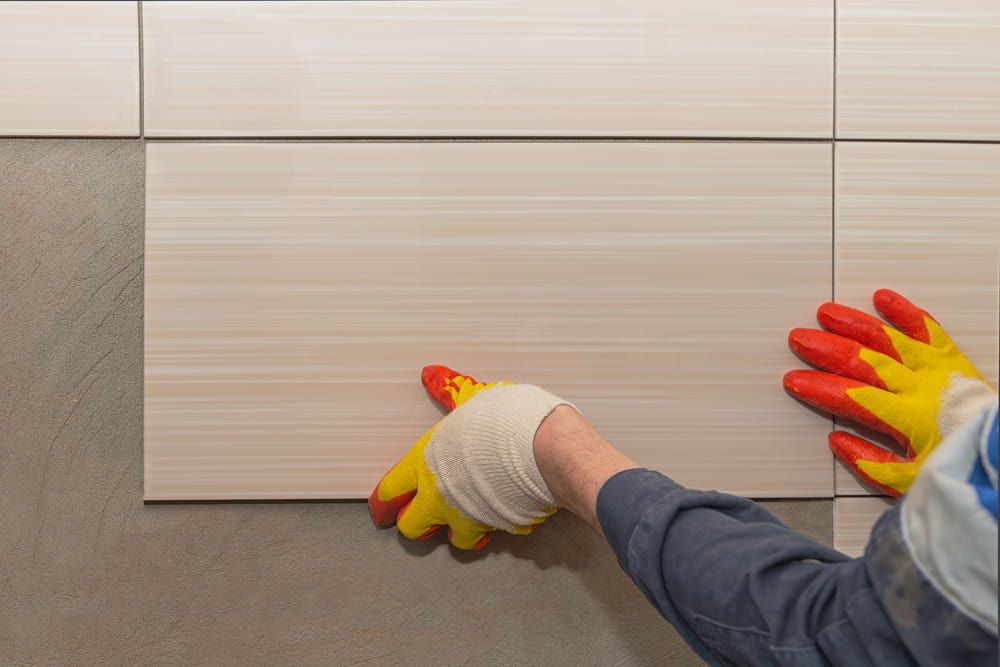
column 427, row 534
column 480, row 543
column 902, row 314
column 384, row 512
column 858, row 326
column 835, row 354
column 828, row 392
column 850, row 449
column 436, row 379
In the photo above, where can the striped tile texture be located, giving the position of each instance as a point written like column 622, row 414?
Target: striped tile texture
column 522, row 67
column 293, row 291
column 853, row 519
column 918, row 69
column 327, row 274
column 69, row 68
column 923, row 219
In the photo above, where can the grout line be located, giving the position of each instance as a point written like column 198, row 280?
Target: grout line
column 858, row 140
column 833, row 281
column 70, row 137
column 490, row 139
column 142, row 139
column 541, row 139
column 835, row 49
column 254, row 501
column 142, row 80
column 833, row 222
column 833, row 518
column 833, row 188
column 501, row 139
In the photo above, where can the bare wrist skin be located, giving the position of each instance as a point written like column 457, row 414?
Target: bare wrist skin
column 576, row 461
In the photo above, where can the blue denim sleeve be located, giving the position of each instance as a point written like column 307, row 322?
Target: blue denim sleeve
column 741, row 588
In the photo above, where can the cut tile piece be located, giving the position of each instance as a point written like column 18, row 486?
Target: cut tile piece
column 924, row 220
column 294, row 291
column 918, row 69
column 853, row 519
column 69, row 68
column 560, row 67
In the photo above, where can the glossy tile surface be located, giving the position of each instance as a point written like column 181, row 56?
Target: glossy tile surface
column 560, row 67
column 293, row 292
column 69, row 68
column 853, row 519
column 923, row 219
column 918, row 69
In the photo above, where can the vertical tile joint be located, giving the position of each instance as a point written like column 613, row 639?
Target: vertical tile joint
column 833, row 229
column 835, row 49
column 142, row 103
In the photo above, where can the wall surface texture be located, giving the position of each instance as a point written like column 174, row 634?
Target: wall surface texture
column 90, row 575
column 813, row 150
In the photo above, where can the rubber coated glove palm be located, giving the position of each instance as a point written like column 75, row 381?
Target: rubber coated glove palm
column 474, row 471
column 909, row 381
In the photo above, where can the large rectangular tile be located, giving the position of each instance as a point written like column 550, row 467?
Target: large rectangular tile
column 69, row 68
column 918, row 69
column 853, row 519
column 923, row 219
column 89, row 578
column 293, row 292
column 521, row 67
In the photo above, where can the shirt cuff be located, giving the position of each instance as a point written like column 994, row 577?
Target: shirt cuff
column 624, row 500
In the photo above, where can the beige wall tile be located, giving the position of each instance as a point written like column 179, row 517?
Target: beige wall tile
column 293, row 292
column 922, row 219
column 918, row 69
column 853, row 519
column 559, row 67
column 69, row 68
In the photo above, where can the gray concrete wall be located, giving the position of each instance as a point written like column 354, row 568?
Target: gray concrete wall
column 89, row 575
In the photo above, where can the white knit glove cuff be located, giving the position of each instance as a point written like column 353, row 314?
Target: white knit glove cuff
column 483, row 457
column 962, row 399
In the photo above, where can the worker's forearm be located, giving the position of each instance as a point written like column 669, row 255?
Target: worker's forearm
column 693, row 553
column 576, row 461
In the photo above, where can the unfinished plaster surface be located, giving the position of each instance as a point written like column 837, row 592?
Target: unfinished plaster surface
column 90, row 575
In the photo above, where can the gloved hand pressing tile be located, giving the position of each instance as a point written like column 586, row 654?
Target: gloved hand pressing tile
column 475, row 470
column 908, row 380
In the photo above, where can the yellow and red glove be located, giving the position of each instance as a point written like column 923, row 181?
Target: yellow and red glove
column 475, row 470
column 909, row 381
